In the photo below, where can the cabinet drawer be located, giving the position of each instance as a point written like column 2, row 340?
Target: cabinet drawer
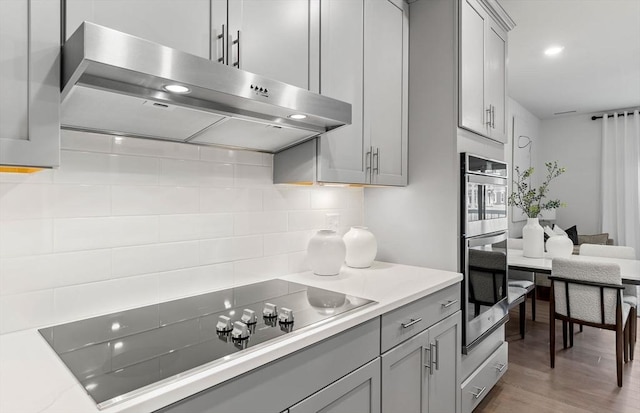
column 476, row 387
column 407, row 321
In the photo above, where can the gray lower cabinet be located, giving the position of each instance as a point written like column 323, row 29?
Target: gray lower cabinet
column 348, row 373
column 283, row 383
column 30, row 83
column 421, row 374
column 358, row 392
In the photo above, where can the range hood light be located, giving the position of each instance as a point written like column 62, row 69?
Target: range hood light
column 298, row 116
column 176, row 88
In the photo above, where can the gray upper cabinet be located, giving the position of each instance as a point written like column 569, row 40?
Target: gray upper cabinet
column 343, row 153
column 270, row 38
column 483, row 53
column 363, row 61
column 386, row 90
column 30, row 83
column 183, row 25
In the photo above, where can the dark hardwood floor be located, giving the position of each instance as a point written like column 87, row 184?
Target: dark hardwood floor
column 584, row 379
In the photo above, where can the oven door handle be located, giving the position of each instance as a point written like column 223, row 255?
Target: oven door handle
column 486, row 180
column 486, row 239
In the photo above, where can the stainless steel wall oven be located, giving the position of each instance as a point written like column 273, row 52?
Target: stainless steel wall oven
column 483, row 246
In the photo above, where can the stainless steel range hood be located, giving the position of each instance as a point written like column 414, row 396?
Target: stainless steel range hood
column 117, row 83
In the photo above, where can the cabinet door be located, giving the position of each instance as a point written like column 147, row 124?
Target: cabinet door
column 444, row 342
column 30, row 83
column 385, row 90
column 182, row 24
column 357, row 392
column 473, row 115
column 405, row 371
column 495, row 80
column 273, row 38
column 342, row 152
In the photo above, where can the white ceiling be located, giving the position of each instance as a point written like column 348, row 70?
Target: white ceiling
column 599, row 68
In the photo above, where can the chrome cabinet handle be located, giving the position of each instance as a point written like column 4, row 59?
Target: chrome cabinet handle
column 237, row 42
column 427, row 362
column 479, row 393
column 493, row 116
column 221, row 38
column 411, row 322
column 449, row 303
column 434, row 353
column 500, row 367
column 367, row 159
column 376, row 157
column 488, row 122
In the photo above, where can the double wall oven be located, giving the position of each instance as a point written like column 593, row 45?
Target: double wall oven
column 483, row 246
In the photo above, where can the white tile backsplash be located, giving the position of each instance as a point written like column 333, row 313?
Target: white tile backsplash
column 91, row 299
column 154, row 200
column 157, row 149
column 25, row 201
column 27, row 310
column 146, row 259
column 85, row 141
column 251, row 223
column 190, row 281
column 194, row 226
column 26, row 237
column 126, row 222
column 39, row 272
column 73, row 201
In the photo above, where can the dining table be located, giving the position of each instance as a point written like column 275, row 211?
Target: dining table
column 629, row 269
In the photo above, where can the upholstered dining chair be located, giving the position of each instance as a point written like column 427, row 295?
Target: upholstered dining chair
column 523, row 279
column 588, row 293
column 630, row 295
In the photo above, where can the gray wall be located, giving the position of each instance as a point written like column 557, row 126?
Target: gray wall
column 575, row 142
column 525, row 124
column 418, row 225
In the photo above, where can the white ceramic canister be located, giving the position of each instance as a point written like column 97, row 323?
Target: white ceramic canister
column 362, row 247
column 326, row 252
column 532, row 239
column 559, row 246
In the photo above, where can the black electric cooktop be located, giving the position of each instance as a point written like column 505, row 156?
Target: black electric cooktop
column 119, row 355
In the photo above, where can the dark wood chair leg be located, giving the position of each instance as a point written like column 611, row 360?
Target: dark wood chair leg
column 633, row 330
column 523, row 320
column 581, row 327
column 619, row 350
column 533, row 303
column 570, row 334
column 625, row 352
column 564, row 334
column 552, row 340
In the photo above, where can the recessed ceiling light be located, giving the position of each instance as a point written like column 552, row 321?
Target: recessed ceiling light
column 177, row 89
column 298, row 116
column 553, row 50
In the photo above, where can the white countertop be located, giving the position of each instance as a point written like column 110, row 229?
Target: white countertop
column 33, row 378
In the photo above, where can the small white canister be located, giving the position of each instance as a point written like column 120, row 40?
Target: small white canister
column 362, row 247
column 326, row 252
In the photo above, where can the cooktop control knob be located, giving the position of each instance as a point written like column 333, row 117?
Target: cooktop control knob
column 240, row 331
column 224, row 324
column 270, row 310
column 285, row 316
column 249, row 316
